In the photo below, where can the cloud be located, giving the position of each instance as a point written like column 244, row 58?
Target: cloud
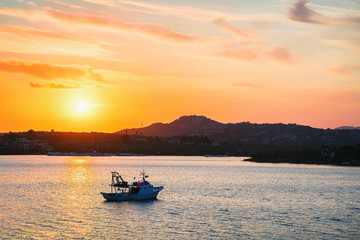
column 347, row 71
column 148, row 29
column 281, row 54
column 257, row 54
column 198, row 14
column 222, row 24
column 52, row 85
column 249, row 55
column 49, row 72
column 28, row 31
column 107, row 3
column 92, row 20
column 252, row 48
column 27, row 14
column 64, row 4
column 301, row 13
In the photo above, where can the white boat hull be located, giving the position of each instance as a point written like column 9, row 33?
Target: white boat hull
column 119, row 197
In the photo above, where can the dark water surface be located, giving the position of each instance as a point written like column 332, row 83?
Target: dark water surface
column 45, row 197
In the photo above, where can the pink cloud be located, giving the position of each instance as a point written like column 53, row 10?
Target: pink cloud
column 198, row 14
column 347, row 71
column 28, row 14
column 222, row 24
column 27, row 31
column 249, row 55
column 149, row 29
column 64, row 4
column 279, row 54
column 253, row 48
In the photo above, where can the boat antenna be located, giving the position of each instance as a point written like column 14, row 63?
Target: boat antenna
column 143, row 174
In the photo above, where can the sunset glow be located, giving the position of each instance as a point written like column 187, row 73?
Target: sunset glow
column 91, row 65
column 81, row 106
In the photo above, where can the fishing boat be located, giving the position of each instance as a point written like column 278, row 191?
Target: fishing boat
column 138, row 190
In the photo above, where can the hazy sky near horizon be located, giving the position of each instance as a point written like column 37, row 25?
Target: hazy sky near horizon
column 105, row 65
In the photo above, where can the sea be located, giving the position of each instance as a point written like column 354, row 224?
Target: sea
column 58, row 197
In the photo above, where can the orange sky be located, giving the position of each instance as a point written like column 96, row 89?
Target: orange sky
column 138, row 62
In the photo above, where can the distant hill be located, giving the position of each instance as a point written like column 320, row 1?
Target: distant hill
column 252, row 136
column 185, row 125
column 347, row 128
column 199, row 135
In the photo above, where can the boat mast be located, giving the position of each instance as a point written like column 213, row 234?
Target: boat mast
column 142, row 174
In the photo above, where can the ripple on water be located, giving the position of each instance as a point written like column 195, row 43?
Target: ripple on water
column 201, row 200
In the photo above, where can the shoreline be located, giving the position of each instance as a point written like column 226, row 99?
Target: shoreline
column 247, row 158
column 293, row 161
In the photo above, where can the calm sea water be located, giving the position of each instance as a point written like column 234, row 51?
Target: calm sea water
column 204, row 198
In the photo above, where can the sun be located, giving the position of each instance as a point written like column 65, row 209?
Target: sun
column 81, row 106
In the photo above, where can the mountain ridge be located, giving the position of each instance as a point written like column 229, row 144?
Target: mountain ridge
column 347, row 128
column 197, row 124
column 251, row 135
column 182, row 125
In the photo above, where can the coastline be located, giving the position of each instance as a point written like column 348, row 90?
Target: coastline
column 297, row 161
column 255, row 159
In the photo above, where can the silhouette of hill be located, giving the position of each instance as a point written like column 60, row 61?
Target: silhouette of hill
column 199, row 135
column 347, row 128
column 251, row 136
column 185, row 125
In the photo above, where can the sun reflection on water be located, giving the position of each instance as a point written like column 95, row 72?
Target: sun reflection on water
column 77, row 161
column 79, row 169
column 78, row 196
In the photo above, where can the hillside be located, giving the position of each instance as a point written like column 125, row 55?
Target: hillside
column 185, row 125
column 251, row 136
column 347, row 127
column 199, row 135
